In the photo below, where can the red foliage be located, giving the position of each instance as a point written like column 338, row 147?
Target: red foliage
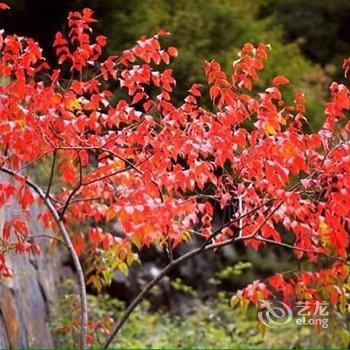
column 3, row 6
column 160, row 171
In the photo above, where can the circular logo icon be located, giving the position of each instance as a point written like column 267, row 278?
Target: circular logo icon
column 274, row 315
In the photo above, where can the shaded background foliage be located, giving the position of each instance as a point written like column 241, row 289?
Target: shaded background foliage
column 309, row 39
column 320, row 27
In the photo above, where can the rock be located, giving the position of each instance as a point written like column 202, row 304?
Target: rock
column 27, row 300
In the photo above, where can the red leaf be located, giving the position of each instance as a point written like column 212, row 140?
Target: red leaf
column 78, row 242
column 138, row 97
column 280, row 80
column 59, row 40
column 26, row 199
column 107, row 241
column 147, row 106
column 172, row 51
column 248, row 47
column 20, row 226
column 101, row 40
column 208, row 208
column 68, row 172
column 276, row 281
column 3, row 6
column 195, row 90
column 94, row 237
column 6, row 231
column 90, row 339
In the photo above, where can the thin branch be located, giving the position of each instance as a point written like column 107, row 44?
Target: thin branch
column 175, row 263
column 304, row 250
column 52, row 173
column 240, row 208
column 85, row 183
column 133, row 166
column 156, row 279
column 218, row 230
column 204, row 247
column 169, row 250
column 51, row 237
column 68, row 242
column 91, row 199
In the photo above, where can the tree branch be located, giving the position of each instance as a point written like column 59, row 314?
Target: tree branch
column 304, row 250
column 51, row 173
column 51, row 237
column 85, row 183
column 68, row 243
column 202, row 248
column 174, row 263
column 156, row 279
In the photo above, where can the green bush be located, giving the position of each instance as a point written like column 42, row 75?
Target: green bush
column 212, row 325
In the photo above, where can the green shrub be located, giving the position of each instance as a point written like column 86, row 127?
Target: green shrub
column 212, row 325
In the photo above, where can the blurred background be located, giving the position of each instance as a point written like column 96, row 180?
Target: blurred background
column 309, row 41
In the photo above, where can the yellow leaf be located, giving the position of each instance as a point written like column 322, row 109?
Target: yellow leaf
column 289, row 150
column 136, row 241
column 74, row 105
column 244, row 303
column 98, row 284
column 123, row 268
column 130, row 257
column 234, row 301
column 21, row 123
column 110, row 214
column 323, row 227
column 186, row 236
column 270, row 130
column 119, row 164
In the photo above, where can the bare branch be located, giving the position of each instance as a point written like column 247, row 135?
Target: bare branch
column 304, row 250
column 204, row 247
column 48, row 236
column 156, row 279
column 51, row 173
column 169, row 250
column 85, row 183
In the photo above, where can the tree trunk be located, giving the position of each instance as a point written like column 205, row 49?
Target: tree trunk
column 27, row 300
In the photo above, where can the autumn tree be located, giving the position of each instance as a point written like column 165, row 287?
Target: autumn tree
column 142, row 171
